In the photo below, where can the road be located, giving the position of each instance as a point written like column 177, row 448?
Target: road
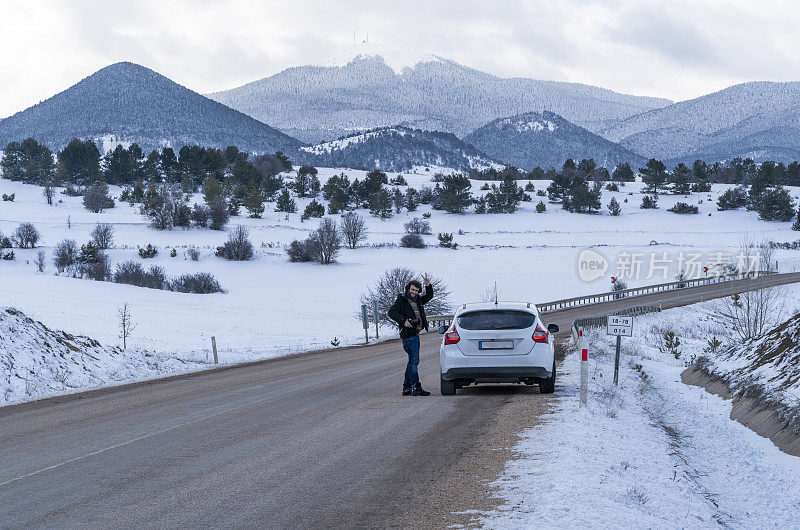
column 317, row 440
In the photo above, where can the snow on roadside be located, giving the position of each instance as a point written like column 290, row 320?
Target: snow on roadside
column 652, row 453
column 38, row 362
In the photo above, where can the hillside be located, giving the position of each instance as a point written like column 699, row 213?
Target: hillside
column 396, row 149
column 126, row 102
column 36, row 361
column 759, row 120
column 545, row 140
column 372, row 86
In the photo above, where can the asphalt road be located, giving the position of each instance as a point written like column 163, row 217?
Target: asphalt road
column 318, row 440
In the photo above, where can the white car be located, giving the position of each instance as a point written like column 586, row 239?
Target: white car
column 497, row 342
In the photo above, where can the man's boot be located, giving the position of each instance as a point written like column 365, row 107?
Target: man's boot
column 417, row 390
column 406, row 390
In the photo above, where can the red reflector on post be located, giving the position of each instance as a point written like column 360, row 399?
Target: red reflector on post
column 584, row 354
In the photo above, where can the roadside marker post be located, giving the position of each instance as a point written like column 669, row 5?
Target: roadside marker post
column 584, row 366
column 365, row 321
column 214, row 349
column 620, row 326
column 375, row 306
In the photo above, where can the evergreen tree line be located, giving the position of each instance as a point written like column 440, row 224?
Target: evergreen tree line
column 80, row 163
column 737, row 171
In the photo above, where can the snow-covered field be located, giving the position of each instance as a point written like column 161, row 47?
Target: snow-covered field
column 274, row 307
column 652, row 453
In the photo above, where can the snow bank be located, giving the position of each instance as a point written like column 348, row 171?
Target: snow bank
column 37, row 362
column 652, row 453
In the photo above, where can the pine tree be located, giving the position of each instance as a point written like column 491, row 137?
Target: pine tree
column 380, row 204
column 412, row 199
column 398, row 200
column 679, row 178
column 454, row 195
column 776, row 205
column 654, row 175
column 613, row 207
column 254, row 200
column 285, row 202
column 79, row 162
column 623, row 173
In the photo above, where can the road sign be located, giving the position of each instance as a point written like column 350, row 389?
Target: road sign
column 620, row 326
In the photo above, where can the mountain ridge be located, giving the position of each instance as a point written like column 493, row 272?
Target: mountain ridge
column 318, row 103
column 130, row 102
column 546, row 140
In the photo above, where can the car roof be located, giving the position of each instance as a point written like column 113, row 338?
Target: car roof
column 488, row 306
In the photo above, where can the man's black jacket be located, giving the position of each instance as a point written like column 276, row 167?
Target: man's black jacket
column 401, row 311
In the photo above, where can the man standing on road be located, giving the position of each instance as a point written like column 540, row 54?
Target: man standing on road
column 409, row 313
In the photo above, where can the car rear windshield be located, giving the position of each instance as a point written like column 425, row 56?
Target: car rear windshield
column 496, row 319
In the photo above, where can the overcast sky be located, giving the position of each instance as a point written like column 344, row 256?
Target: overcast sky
column 673, row 49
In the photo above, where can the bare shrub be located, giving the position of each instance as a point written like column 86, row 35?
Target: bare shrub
column 126, row 325
column 41, row 260
column 103, row 236
column 199, row 283
column 132, row 273
column 393, row 282
column 238, row 247
column 65, row 254
column 640, row 496
column 490, row 293
column 201, row 214
column 354, row 229
column 96, row 199
column 218, row 213
column 329, row 241
column 194, row 254
column 26, row 235
column 412, row 241
column 303, row 251
column 417, row 226
column 748, row 315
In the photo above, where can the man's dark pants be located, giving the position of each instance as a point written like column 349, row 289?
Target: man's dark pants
column 411, row 346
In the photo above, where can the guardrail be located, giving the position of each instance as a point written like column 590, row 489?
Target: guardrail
column 579, row 301
column 602, row 321
column 568, row 303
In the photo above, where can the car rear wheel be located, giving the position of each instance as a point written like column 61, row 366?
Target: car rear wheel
column 448, row 388
column 548, row 386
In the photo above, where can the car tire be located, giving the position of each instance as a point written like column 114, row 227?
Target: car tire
column 448, row 388
column 548, row 386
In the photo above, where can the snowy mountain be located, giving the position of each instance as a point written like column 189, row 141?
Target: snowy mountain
column 126, row 102
column 370, row 86
column 396, row 149
column 759, row 120
column 545, row 140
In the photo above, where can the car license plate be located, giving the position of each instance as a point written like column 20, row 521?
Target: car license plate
column 496, row 345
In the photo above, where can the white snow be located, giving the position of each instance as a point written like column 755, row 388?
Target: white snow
column 397, row 58
column 653, row 453
column 274, row 307
column 342, row 143
column 528, row 125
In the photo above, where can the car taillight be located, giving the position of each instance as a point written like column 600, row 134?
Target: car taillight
column 451, row 336
column 539, row 335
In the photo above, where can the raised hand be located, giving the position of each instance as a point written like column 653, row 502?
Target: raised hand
column 426, row 279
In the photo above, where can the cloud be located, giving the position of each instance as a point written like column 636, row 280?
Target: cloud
column 676, row 49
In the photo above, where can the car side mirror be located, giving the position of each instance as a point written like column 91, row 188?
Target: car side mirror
column 442, row 329
column 552, row 328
